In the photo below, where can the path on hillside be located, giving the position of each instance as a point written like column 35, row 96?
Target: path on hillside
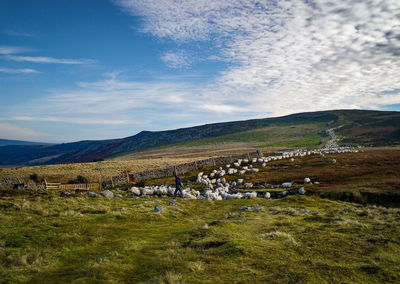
column 332, row 143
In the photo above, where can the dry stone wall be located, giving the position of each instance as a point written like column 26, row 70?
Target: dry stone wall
column 145, row 175
column 184, row 168
column 9, row 182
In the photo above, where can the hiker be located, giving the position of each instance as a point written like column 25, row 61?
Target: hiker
column 178, row 185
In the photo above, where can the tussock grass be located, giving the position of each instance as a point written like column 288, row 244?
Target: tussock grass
column 123, row 240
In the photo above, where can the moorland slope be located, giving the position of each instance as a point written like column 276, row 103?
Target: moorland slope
column 362, row 127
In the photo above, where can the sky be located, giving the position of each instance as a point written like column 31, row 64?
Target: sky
column 101, row 69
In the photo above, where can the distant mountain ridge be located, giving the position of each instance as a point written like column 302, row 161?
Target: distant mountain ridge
column 360, row 126
column 6, row 142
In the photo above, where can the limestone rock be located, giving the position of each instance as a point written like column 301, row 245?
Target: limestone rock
column 107, row 194
column 91, row 194
column 173, row 203
column 158, row 209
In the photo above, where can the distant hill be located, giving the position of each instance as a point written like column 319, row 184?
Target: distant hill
column 6, row 142
column 359, row 127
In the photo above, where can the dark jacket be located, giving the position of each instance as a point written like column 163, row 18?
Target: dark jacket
column 178, row 182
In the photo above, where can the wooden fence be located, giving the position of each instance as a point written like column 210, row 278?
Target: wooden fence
column 80, row 186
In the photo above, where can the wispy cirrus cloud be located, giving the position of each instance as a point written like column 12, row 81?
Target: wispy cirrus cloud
column 18, row 71
column 4, row 49
column 42, row 59
column 288, row 56
column 159, row 104
column 11, row 131
column 12, row 32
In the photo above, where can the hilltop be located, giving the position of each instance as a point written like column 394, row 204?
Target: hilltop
column 362, row 127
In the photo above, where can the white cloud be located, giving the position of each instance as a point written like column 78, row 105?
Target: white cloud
column 288, row 56
column 18, row 71
column 4, row 49
column 10, row 131
column 176, row 59
column 41, row 59
column 159, row 104
column 76, row 120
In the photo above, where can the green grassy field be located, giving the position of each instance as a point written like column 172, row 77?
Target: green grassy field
column 45, row 238
column 50, row 239
column 279, row 135
column 268, row 135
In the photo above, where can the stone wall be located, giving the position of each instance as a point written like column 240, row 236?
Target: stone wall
column 146, row 175
column 9, row 182
column 184, row 168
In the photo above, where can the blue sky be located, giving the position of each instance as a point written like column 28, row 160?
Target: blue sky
column 74, row 70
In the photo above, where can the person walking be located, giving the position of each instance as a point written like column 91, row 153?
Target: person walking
column 178, row 186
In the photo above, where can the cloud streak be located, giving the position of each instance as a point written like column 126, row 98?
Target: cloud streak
column 10, row 131
column 4, row 49
column 18, row 71
column 156, row 105
column 42, row 59
column 288, row 56
column 17, row 33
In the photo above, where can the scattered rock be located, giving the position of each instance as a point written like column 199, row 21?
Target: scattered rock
column 65, row 194
column 159, row 209
column 250, row 208
column 302, row 190
column 267, row 195
column 333, row 161
column 91, row 194
column 307, row 180
column 107, row 194
column 173, row 203
column 117, row 195
column 286, row 184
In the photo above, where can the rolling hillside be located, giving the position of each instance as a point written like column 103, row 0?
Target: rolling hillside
column 303, row 129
